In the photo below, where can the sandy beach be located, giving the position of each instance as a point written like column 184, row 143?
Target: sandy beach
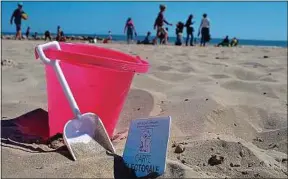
column 228, row 108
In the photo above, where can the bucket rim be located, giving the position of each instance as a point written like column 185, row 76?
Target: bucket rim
column 70, row 53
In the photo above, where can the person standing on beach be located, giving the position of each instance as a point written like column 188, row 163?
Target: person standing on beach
column 47, row 35
column 205, row 30
column 17, row 16
column 159, row 24
column 27, row 32
column 130, row 28
column 189, row 30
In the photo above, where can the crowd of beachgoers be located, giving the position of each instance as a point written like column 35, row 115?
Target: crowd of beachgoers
column 161, row 36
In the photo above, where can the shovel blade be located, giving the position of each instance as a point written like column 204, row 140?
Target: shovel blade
column 86, row 137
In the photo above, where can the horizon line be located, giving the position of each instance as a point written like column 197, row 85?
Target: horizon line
column 95, row 34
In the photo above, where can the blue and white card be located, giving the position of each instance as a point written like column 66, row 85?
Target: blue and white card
column 146, row 146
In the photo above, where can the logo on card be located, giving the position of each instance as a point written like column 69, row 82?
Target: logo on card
column 145, row 141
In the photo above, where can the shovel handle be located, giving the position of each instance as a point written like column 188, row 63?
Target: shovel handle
column 63, row 82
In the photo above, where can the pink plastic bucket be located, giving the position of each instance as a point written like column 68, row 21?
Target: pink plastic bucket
column 99, row 79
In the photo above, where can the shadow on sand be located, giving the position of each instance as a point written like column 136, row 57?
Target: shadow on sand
column 29, row 132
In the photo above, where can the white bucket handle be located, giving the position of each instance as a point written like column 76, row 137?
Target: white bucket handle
column 55, row 64
column 42, row 47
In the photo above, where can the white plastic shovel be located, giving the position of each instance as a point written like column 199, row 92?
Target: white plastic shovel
column 85, row 134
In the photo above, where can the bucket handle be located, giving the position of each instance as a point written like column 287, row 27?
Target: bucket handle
column 40, row 51
column 55, row 64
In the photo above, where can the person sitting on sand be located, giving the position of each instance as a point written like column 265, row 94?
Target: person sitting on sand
column 60, row 35
column 108, row 39
column 159, row 25
column 225, row 42
column 17, row 16
column 35, row 36
column 27, row 32
column 130, row 28
column 179, row 32
column 234, row 42
column 47, row 35
column 146, row 41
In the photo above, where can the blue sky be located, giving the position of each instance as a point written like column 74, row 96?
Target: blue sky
column 245, row 20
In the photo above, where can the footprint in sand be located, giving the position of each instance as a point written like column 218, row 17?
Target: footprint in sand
column 222, row 58
column 172, row 77
column 243, row 74
column 252, row 64
column 20, row 79
column 267, row 79
column 219, row 76
column 255, row 88
column 202, row 56
column 164, row 68
column 186, row 69
column 276, row 69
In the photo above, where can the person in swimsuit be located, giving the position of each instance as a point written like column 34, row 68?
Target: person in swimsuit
column 189, row 30
column 17, row 16
column 130, row 29
column 159, row 24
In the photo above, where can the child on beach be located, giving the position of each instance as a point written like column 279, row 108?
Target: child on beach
column 179, row 32
column 17, row 16
column 109, row 38
column 27, row 32
column 130, row 28
column 159, row 25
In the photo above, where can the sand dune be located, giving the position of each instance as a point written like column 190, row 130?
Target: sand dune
column 228, row 108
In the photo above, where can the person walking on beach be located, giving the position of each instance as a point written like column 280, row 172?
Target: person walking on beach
column 17, row 16
column 130, row 29
column 159, row 24
column 189, row 30
column 205, row 30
